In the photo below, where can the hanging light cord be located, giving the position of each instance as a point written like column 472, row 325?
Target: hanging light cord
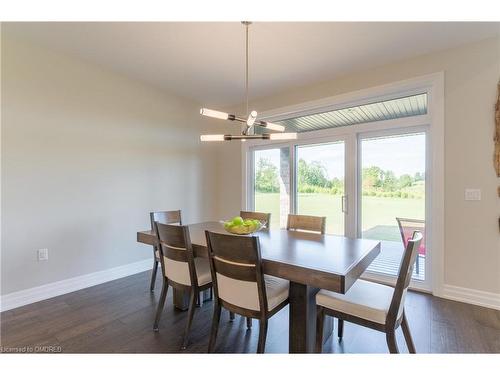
column 246, row 66
column 246, row 23
column 250, row 120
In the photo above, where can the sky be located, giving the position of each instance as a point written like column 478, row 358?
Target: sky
column 330, row 154
column 401, row 154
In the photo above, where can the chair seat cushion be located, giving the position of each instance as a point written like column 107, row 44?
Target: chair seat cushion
column 276, row 290
column 366, row 300
column 245, row 294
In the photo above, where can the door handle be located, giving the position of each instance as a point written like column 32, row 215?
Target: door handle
column 344, row 204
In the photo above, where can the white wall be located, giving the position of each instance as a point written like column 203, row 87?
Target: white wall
column 472, row 238
column 86, row 155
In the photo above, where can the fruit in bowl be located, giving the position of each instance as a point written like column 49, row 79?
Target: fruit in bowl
column 239, row 226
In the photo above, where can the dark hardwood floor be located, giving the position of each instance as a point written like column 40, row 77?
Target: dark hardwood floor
column 118, row 317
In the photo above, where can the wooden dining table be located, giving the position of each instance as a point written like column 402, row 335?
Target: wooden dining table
column 310, row 261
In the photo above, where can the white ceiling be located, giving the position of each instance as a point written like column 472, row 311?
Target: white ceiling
column 205, row 61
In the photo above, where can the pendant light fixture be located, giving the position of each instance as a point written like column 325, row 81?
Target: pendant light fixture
column 250, row 119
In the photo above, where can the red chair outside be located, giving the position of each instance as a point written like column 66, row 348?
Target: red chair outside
column 406, row 228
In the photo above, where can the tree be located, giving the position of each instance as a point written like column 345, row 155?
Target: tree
column 419, row 176
column 313, row 174
column 389, row 182
column 302, row 172
column 266, row 177
column 372, row 178
column 405, row 181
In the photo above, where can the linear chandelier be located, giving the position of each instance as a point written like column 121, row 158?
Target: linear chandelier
column 250, row 119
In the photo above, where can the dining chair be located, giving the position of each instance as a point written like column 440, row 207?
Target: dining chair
column 240, row 285
column 372, row 305
column 406, row 228
column 263, row 217
column 181, row 269
column 306, row 223
column 164, row 217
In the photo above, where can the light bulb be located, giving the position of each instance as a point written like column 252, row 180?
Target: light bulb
column 251, row 118
column 212, row 137
column 214, row 114
column 279, row 128
column 282, row 136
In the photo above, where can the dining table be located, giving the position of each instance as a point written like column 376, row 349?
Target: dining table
column 310, row 261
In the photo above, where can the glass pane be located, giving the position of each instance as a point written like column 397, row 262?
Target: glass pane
column 320, row 183
column 393, row 186
column 272, row 184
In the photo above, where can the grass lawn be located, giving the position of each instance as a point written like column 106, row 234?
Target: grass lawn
column 378, row 214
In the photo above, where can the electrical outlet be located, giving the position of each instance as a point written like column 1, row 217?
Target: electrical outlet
column 43, row 254
column 472, row 194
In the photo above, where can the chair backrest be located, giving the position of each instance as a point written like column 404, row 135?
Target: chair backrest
column 407, row 227
column 403, row 280
column 165, row 217
column 176, row 253
column 261, row 216
column 235, row 262
column 306, row 223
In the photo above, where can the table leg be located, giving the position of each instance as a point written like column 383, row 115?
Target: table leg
column 181, row 298
column 302, row 319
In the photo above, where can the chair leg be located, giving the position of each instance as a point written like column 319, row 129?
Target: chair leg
column 391, row 342
column 231, row 316
column 416, row 265
column 192, row 307
column 161, row 304
column 407, row 335
column 249, row 323
column 215, row 328
column 153, row 275
column 320, row 319
column 341, row 329
column 261, row 347
column 199, row 299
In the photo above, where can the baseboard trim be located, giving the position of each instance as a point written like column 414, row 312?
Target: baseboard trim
column 39, row 293
column 471, row 296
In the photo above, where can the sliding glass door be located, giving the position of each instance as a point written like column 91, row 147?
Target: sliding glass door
column 392, row 196
column 321, row 183
column 369, row 185
column 271, row 183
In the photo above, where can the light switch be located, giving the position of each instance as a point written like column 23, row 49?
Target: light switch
column 472, row 194
column 43, row 254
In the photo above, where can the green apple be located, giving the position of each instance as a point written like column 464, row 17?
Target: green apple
column 237, row 220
